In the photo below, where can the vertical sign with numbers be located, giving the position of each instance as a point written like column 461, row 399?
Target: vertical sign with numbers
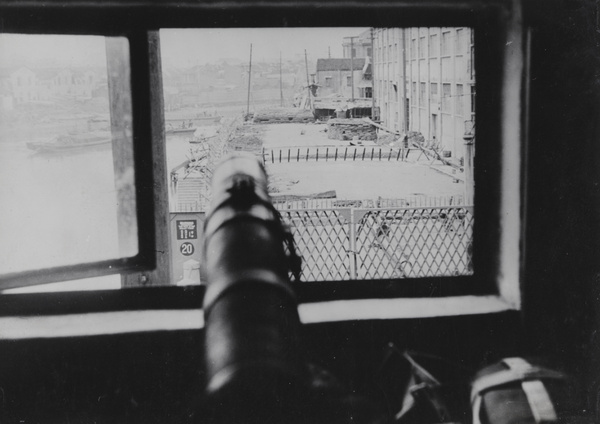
column 186, row 236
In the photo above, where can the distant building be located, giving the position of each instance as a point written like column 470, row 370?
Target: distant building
column 424, row 81
column 25, row 85
column 335, row 76
column 361, row 45
column 19, row 83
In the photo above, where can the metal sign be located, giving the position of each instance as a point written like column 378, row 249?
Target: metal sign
column 186, row 238
column 187, row 249
column 187, row 230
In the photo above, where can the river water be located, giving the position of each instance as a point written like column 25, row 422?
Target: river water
column 61, row 209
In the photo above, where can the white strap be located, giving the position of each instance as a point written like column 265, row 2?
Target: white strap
column 539, row 401
column 517, row 364
column 477, row 410
column 538, row 398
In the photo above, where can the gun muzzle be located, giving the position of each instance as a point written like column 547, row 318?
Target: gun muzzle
column 253, row 361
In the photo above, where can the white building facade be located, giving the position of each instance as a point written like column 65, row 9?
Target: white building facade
column 424, row 81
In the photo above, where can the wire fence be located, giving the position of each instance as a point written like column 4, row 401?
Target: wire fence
column 361, row 243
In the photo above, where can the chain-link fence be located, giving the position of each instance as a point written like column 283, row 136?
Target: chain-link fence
column 359, row 243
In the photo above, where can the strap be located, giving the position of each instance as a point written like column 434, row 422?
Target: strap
column 539, row 401
column 477, row 410
column 522, row 371
column 500, row 378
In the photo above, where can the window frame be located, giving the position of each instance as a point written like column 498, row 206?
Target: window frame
column 146, row 258
column 498, row 195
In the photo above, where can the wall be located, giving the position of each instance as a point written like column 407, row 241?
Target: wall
column 339, row 83
column 561, row 287
column 437, row 63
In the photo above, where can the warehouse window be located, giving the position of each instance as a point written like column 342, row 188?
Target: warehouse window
column 434, row 45
column 446, row 98
column 446, row 43
column 423, row 94
column 459, row 100
column 435, row 98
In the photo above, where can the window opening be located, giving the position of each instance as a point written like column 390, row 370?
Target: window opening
column 340, row 184
column 66, row 157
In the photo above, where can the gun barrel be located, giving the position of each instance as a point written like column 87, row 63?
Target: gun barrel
column 251, row 317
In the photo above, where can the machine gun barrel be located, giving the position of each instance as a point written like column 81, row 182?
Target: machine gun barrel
column 253, row 361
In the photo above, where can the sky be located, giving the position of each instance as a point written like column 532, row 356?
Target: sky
column 64, row 50
column 182, row 47
column 188, row 47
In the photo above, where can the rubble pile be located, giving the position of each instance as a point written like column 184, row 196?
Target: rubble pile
column 350, row 129
column 283, row 115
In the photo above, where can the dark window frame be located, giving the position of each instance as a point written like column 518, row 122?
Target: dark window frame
column 489, row 19
column 145, row 259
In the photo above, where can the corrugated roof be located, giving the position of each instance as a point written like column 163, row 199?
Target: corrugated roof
column 339, row 64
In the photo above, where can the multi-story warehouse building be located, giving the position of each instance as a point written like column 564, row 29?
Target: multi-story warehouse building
column 424, row 81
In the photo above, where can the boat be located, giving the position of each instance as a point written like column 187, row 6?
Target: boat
column 201, row 139
column 71, row 142
column 176, row 121
column 180, row 130
column 216, row 119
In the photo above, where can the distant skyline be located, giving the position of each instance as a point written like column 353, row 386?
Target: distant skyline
column 190, row 47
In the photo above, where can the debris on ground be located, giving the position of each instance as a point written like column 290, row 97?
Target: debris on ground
column 283, row 115
column 248, row 138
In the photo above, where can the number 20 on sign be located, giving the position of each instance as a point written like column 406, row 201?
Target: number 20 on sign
column 186, row 249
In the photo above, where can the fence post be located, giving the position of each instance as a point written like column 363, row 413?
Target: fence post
column 468, row 167
column 352, row 256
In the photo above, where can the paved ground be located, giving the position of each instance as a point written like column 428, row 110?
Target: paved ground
column 352, row 180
